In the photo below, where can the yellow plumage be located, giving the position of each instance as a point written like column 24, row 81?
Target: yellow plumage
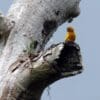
column 70, row 35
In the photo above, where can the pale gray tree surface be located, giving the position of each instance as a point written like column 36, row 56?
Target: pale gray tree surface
column 26, row 69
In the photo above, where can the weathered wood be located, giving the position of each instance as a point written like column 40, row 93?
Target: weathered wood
column 5, row 24
column 5, row 27
column 34, row 24
column 28, row 81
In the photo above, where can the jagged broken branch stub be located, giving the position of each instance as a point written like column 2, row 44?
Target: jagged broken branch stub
column 65, row 63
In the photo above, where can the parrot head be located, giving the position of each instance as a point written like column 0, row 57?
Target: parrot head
column 70, row 29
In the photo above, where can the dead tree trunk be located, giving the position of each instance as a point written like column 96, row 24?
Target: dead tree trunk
column 26, row 69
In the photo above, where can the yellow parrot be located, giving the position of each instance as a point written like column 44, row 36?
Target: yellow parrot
column 70, row 35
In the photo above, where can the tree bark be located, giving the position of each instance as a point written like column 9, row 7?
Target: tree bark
column 26, row 69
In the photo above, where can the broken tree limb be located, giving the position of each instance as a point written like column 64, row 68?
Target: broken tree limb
column 59, row 61
column 35, row 23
